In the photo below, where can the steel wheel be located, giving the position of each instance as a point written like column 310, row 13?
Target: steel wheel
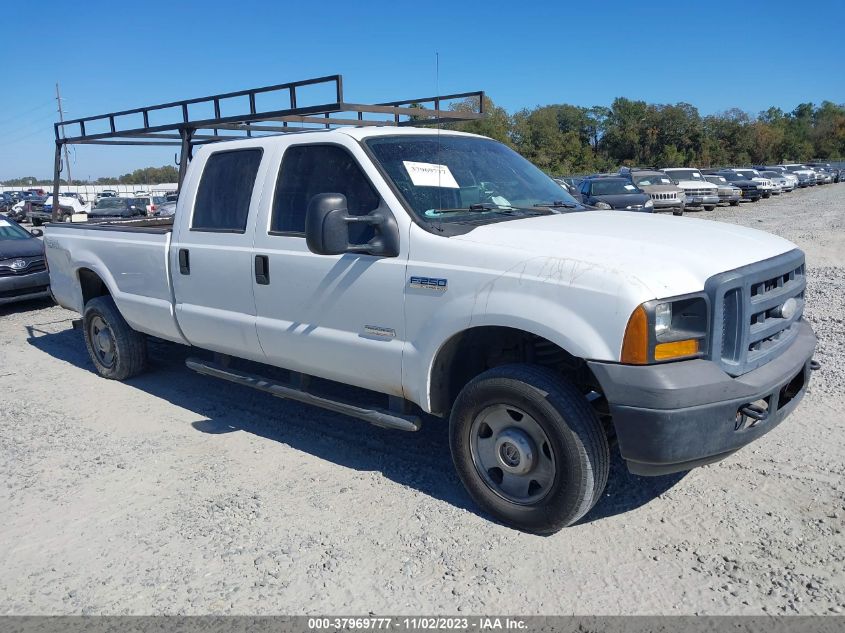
column 512, row 454
column 102, row 341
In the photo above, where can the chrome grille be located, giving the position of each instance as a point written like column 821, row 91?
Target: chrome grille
column 748, row 332
column 663, row 196
column 700, row 192
column 33, row 265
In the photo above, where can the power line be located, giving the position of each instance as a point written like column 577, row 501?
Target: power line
column 15, row 117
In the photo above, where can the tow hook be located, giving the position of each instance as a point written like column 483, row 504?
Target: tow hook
column 815, row 365
column 755, row 412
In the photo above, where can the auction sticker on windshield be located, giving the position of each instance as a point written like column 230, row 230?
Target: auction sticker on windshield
column 430, row 175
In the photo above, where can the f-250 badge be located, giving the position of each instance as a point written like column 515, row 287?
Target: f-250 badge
column 429, row 283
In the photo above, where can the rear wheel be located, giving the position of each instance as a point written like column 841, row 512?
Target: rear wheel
column 117, row 351
column 528, row 447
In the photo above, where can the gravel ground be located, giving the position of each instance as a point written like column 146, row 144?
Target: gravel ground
column 175, row 493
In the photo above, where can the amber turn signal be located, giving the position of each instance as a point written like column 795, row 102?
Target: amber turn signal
column 676, row 349
column 635, row 341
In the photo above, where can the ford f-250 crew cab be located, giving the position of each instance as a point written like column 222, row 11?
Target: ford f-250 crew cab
column 447, row 275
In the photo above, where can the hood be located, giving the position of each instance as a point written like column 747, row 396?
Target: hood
column 744, row 183
column 695, row 184
column 622, row 200
column 9, row 249
column 668, row 256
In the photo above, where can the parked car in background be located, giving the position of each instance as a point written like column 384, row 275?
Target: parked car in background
column 572, row 191
column 614, row 192
column 766, row 185
column 173, row 196
column 167, row 209
column 779, row 180
column 6, row 202
column 823, row 175
column 751, row 190
column 793, row 179
column 150, row 202
column 23, row 269
column 41, row 211
column 666, row 195
column 728, row 193
column 809, row 176
column 111, row 208
column 107, row 193
column 699, row 193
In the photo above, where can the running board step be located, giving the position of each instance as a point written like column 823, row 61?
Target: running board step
column 377, row 417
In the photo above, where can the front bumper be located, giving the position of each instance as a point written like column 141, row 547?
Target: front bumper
column 23, row 287
column 733, row 196
column 675, row 416
column 698, row 201
column 668, row 204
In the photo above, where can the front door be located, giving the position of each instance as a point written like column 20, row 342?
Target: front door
column 337, row 317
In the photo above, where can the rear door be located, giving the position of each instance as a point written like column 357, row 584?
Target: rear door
column 335, row 316
column 211, row 252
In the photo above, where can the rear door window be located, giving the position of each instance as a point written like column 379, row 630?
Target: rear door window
column 225, row 190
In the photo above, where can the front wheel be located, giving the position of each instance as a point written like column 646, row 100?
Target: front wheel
column 117, row 351
column 734, row 203
column 678, row 211
column 528, row 447
column 709, row 207
column 36, row 222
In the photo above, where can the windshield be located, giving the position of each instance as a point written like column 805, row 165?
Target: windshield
column 446, row 178
column 9, row 231
column 717, row 180
column 684, row 174
column 612, row 187
column 748, row 173
column 645, row 181
column 111, row 203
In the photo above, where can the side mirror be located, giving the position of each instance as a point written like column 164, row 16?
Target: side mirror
column 327, row 222
column 36, row 232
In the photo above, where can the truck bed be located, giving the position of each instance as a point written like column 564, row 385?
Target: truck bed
column 130, row 257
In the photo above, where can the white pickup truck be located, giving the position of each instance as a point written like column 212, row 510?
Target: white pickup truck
column 446, row 275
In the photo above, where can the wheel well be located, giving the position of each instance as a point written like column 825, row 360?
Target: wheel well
column 476, row 350
column 92, row 286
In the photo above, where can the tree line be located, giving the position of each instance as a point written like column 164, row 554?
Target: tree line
column 143, row 176
column 567, row 139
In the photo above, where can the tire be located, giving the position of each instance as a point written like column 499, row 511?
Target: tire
column 117, row 351
column 734, row 203
column 36, row 222
column 67, row 218
column 678, row 211
column 709, row 207
column 574, row 447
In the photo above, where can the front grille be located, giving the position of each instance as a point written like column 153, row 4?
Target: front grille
column 747, row 332
column 664, row 196
column 700, row 192
column 33, row 265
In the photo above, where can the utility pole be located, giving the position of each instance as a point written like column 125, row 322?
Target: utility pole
column 61, row 120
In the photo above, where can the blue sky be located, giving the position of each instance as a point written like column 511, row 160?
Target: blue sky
column 116, row 55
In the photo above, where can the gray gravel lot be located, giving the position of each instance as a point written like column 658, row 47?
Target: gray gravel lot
column 175, row 493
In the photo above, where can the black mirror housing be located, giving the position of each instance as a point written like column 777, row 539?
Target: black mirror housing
column 327, row 223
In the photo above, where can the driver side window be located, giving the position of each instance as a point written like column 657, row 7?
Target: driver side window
column 308, row 170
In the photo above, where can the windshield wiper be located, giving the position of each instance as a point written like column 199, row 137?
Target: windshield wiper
column 557, row 204
column 477, row 208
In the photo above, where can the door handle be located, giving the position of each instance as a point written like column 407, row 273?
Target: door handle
column 262, row 270
column 184, row 261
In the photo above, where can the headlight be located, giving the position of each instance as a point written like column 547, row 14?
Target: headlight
column 665, row 330
column 602, row 205
column 649, row 203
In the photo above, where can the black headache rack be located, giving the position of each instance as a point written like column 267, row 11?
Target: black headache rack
column 134, row 127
